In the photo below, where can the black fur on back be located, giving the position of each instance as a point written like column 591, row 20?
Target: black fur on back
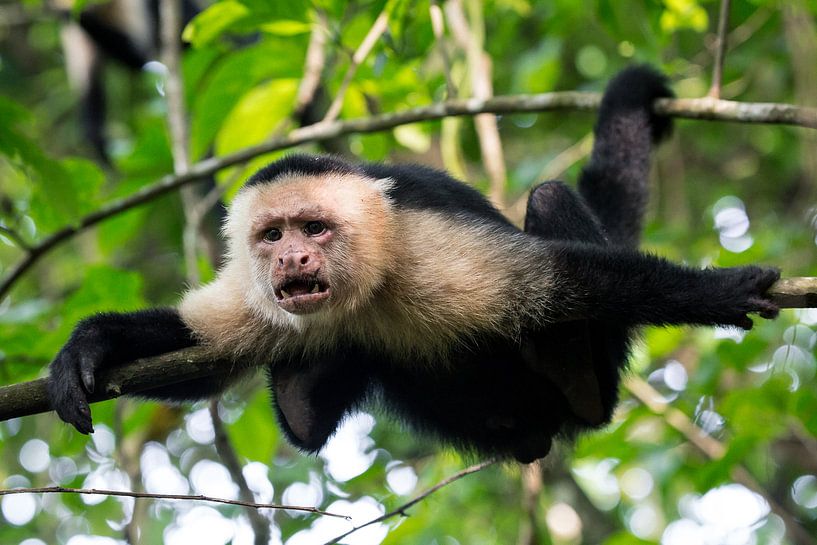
column 415, row 186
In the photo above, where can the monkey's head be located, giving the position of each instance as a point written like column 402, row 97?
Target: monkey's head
column 313, row 243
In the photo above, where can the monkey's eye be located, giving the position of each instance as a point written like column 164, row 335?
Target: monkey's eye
column 314, row 228
column 272, row 235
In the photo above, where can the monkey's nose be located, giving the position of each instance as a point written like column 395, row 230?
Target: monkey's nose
column 293, row 261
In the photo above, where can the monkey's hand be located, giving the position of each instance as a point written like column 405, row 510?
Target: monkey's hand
column 105, row 340
column 743, row 291
column 71, row 377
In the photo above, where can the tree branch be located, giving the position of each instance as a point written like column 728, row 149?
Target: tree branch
column 471, row 38
column 700, row 108
column 170, row 17
column 720, row 50
column 198, row 497
column 224, row 449
column 402, row 509
column 378, row 28
column 27, row 398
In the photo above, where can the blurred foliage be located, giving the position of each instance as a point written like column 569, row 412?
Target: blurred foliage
column 638, row 481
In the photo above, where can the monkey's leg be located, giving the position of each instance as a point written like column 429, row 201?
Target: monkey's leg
column 111, row 339
column 311, row 398
column 556, row 212
column 615, row 182
column 582, row 357
column 113, row 41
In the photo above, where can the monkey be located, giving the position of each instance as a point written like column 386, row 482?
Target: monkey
column 398, row 286
column 124, row 31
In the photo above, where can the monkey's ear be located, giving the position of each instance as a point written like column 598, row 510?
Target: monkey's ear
column 563, row 354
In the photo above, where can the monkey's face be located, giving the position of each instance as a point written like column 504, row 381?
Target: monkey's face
column 291, row 255
column 312, row 244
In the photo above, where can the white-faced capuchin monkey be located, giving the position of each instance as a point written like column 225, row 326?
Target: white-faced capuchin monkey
column 125, row 31
column 358, row 283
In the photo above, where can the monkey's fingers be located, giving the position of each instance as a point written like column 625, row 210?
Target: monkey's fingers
column 766, row 308
column 745, row 323
column 87, row 364
column 69, row 401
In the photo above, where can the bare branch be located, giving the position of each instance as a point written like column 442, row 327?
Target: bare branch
column 403, row 508
column 720, row 50
column 313, row 65
column 224, row 449
column 795, row 292
column 171, row 19
column 378, row 28
column 171, row 28
column 530, row 531
column 191, row 363
column 701, row 108
column 438, row 27
column 471, row 38
column 744, row 112
column 198, row 497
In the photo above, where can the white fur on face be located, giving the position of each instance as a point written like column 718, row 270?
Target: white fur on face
column 412, row 283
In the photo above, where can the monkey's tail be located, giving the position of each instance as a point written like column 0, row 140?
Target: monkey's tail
column 615, row 182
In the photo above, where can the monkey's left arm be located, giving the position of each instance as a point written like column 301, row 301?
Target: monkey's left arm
column 112, row 339
column 628, row 287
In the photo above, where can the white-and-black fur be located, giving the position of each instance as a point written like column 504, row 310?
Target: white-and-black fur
column 489, row 338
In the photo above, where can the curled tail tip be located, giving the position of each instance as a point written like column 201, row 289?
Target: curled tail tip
column 635, row 88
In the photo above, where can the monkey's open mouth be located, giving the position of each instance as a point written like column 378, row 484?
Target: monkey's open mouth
column 302, row 295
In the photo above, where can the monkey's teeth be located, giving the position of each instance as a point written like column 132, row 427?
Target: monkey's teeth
column 315, row 288
column 285, row 294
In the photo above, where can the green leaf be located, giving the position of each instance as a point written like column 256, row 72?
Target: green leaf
column 213, row 22
column 256, row 115
column 233, row 77
column 254, row 435
column 104, row 289
column 286, row 27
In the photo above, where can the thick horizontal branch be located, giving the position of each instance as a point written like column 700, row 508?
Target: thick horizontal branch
column 701, row 108
column 29, row 398
column 797, row 292
column 148, row 495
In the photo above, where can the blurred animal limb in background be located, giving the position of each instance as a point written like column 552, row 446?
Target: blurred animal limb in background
column 124, row 31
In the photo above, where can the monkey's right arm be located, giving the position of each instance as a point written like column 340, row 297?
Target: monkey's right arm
column 628, row 287
column 112, row 339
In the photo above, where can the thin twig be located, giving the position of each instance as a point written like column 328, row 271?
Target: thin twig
column 530, row 532
column 713, row 449
column 171, row 23
column 438, row 27
column 226, row 452
column 471, row 37
column 378, row 28
column 403, row 508
column 313, row 65
column 196, row 497
column 700, row 108
column 720, row 50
